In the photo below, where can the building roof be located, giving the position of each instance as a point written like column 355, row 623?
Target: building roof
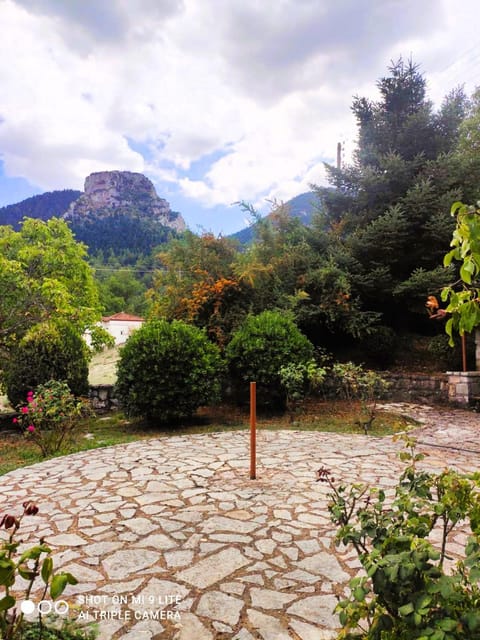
column 122, row 317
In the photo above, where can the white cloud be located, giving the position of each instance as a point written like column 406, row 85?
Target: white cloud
column 265, row 88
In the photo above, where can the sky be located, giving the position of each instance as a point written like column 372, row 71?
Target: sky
column 216, row 101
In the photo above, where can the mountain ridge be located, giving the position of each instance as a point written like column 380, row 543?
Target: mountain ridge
column 118, row 211
column 302, row 206
column 43, row 206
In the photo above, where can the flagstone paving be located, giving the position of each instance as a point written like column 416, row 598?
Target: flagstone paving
column 170, row 539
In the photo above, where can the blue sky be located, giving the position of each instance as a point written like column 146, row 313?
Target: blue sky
column 215, row 101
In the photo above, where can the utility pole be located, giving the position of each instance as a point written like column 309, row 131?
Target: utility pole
column 339, row 155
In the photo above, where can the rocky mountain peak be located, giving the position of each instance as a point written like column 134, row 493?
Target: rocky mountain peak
column 122, row 192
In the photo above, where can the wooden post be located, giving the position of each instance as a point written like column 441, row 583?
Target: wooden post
column 464, row 352
column 253, row 430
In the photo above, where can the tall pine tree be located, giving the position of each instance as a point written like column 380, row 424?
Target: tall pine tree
column 392, row 203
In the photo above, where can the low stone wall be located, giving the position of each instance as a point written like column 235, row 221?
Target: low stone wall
column 452, row 387
column 464, row 387
column 102, row 397
column 416, row 387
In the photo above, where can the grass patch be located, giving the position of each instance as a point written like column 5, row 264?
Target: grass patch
column 114, row 428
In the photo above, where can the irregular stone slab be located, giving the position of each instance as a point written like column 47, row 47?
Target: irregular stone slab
column 254, row 578
column 103, row 507
column 282, row 537
column 122, row 587
column 141, row 526
column 220, row 523
column 144, row 630
column 66, row 540
column 157, row 541
column 308, row 546
column 266, row 546
column 122, row 563
column 318, row 609
column 180, row 558
column 307, row 632
column 243, row 634
column 311, row 518
column 160, row 594
column 213, row 568
column 283, row 514
column 268, row 599
column 290, row 552
column 233, row 587
column 219, row 606
column 154, row 485
column 301, row 576
column 239, row 514
column 230, row 537
column 191, row 628
column 324, row 564
column 108, row 628
column 107, row 517
column 128, row 492
column 83, row 574
column 269, row 628
column 223, row 628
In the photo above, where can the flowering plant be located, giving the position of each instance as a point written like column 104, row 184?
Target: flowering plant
column 28, row 565
column 51, row 415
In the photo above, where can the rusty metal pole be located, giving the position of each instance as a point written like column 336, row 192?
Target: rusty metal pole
column 253, row 430
column 464, row 352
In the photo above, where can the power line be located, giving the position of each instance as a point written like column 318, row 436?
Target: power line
column 128, row 269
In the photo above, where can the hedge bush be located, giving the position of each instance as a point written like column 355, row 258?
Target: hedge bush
column 167, row 370
column 261, row 346
column 49, row 351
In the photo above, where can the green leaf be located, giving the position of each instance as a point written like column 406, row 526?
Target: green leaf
column 71, row 579
column 7, row 602
column 406, row 609
column 57, row 587
column 47, row 569
column 359, row 594
column 447, row 624
column 34, row 553
column 465, row 273
column 27, row 574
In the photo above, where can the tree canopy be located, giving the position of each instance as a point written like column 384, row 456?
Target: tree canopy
column 44, row 275
column 392, row 203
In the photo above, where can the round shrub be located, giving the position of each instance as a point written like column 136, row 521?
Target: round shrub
column 49, row 351
column 260, row 348
column 167, row 370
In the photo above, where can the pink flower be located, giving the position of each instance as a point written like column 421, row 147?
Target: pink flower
column 30, row 428
column 24, row 409
column 15, row 420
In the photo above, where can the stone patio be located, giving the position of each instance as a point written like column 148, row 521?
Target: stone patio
column 171, row 540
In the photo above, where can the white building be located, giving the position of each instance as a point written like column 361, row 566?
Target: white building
column 121, row 325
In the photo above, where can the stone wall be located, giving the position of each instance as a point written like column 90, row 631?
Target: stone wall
column 102, row 398
column 457, row 387
column 416, row 387
column 404, row 387
column 464, row 387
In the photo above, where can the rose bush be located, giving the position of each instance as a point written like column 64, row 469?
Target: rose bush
column 51, row 416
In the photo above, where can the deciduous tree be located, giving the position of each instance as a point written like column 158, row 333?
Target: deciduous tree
column 44, row 275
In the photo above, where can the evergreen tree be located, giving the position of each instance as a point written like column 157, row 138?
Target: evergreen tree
column 392, row 204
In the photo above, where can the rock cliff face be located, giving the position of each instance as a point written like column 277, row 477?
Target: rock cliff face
column 122, row 192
